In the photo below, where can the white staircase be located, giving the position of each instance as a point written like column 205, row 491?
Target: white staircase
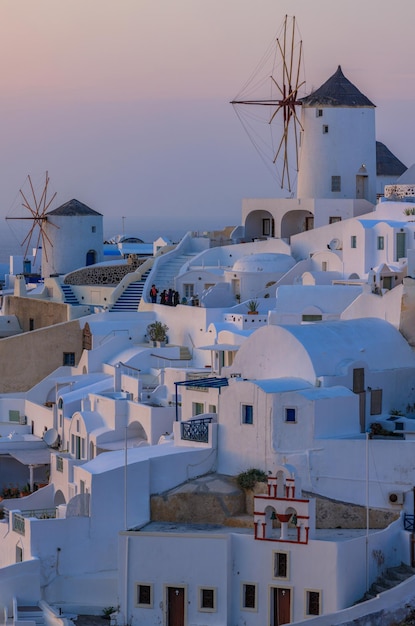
column 131, row 296
column 165, row 275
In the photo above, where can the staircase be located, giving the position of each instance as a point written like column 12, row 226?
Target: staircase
column 131, row 296
column 164, row 278
column 30, row 613
column 69, row 296
column 392, row 577
column 185, row 354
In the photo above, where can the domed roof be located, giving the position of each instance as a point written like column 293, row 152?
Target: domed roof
column 264, row 262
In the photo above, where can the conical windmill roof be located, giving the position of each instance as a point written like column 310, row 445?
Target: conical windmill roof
column 73, row 207
column 387, row 164
column 337, row 91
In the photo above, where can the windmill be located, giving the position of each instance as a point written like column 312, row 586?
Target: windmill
column 279, row 75
column 37, row 206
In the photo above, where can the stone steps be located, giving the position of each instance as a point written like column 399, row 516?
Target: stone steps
column 392, row 577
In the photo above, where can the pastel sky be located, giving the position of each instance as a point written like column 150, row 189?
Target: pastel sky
column 126, row 102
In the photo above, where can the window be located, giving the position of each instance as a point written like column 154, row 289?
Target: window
column 59, row 464
column 198, row 408
column 19, row 554
column 31, row 324
column 144, row 595
column 207, row 599
column 212, row 408
column 188, row 290
column 280, row 565
column 249, row 597
column 69, row 358
column 247, row 414
column 324, row 266
column 290, row 415
column 313, row 601
column 335, row 218
column 376, row 401
column 353, row 241
column 14, row 416
column 319, row 112
column 336, row 183
column 311, row 318
column 381, row 243
column 325, row 129
column 93, row 229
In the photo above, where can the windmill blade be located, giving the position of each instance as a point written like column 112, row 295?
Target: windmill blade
column 37, row 208
column 283, row 121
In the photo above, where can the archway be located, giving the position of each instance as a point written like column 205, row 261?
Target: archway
column 59, row 498
column 259, row 225
column 294, row 222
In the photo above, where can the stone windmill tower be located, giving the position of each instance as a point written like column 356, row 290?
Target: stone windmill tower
column 338, row 143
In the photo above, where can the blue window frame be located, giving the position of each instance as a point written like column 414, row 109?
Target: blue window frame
column 247, row 414
column 290, row 415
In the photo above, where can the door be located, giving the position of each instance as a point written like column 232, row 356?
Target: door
column 175, row 606
column 400, row 246
column 361, row 187
column 280, row 606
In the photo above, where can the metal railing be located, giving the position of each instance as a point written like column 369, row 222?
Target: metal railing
column 196, row 430
column 409, row 522
column 18, row 521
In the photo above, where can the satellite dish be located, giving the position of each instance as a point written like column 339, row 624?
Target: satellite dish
column 335, row 244
column 51, row 437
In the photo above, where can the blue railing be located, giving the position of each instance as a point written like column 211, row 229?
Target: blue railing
column 409, row 522
column 196, row 430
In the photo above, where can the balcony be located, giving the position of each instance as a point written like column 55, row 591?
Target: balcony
column 196, row 430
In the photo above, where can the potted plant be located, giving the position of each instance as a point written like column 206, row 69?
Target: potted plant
column 253, row 307
column 157, row 333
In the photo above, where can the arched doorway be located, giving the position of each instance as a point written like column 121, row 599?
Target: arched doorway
column 91, row 257
column 259, row 225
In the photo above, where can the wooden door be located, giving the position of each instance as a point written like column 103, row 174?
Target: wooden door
column 175, row 606
column 281, row 609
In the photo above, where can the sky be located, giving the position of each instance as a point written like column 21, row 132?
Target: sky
column 126, row 102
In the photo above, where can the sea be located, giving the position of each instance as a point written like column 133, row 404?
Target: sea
column 12, row 237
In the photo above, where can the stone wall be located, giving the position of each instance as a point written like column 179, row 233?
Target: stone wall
column 217, row 499
column 22, row 358
column 42, row 312
column 105, row 275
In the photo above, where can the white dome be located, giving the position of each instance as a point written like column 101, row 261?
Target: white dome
column 264, row 262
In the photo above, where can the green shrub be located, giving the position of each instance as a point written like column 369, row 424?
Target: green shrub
column 249, row 478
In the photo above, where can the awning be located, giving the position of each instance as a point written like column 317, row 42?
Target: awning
column 37, row 456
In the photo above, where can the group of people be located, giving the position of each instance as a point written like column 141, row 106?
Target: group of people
column 167, row 296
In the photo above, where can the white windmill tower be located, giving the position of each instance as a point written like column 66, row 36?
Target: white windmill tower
column 323, row 143
column 76, row 235
column 69, row 237
column 338, row 143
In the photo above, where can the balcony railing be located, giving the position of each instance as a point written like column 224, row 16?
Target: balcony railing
column 19, row 523
column 196, row 430
column 408, row 522
column 19, row 518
